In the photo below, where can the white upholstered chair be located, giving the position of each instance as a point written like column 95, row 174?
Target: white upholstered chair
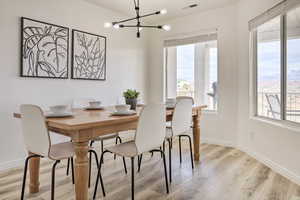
column 38, row 143
column 180, row 126
column 149, row 136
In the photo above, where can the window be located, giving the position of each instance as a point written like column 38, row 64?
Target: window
column 268, row 69
column 277, row 60
column 185, row 70
column 293, row 66
column 192, row 70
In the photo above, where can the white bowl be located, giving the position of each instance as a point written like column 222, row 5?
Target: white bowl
column 58, row 109
column 95, row 104
column 122, row 108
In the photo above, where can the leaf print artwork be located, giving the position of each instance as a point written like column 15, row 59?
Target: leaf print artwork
column 44, row 50
column 89, row 56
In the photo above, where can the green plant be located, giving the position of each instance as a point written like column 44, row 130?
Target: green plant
column 131, row 94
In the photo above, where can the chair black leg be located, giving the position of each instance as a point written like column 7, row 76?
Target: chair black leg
column 90, row 164
column 115, row 156
column 191, row 151
column 166, row 173
column 53, row 179
column 102, row 150
column 68, row 166
column 160, row 152
column 180, row 156
column 25, row 174
column 140, row 157
column 124, row 163
column 72, row 165
column 132, row 178
column 170, row 159
column 118, row 138
column 99, row 176
column 165, row 166
column 90, row 168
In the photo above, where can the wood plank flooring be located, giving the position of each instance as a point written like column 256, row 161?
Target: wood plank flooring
column 224, row 174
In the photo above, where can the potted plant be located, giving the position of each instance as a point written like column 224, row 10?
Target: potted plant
column 131, row 98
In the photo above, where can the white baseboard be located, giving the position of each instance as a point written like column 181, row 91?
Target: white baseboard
column 11, row 164
column 218, row 142
column 273, row 165
column 259, row 157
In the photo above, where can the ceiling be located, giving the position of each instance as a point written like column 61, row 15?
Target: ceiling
column 174, row 7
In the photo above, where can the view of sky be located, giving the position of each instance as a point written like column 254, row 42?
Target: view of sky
column 269, row 64
column 185, row 62
column 186, row 59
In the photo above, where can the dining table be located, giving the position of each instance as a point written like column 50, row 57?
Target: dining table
column 84, row 126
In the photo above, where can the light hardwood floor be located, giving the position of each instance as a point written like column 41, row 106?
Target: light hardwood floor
column 224, row 174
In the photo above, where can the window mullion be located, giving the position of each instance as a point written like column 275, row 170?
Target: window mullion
column 255, row 76
column 283, row 66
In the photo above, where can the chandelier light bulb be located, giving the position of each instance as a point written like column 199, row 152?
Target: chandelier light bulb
column 163, row 11
column 166, row 27
column 107, row 25
column 140, row 29
column 116, row 26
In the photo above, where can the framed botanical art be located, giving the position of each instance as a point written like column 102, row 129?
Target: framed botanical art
column 88, row 56
column 44, row 49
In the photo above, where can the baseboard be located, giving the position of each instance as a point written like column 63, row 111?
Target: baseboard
column 273, row 165
column 11, row 164
column 218, row 142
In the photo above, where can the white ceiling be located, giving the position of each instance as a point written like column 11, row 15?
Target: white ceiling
column 174, row 7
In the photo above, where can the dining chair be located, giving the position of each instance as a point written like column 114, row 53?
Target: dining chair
column 149, row 136
column 84, row 103
column 180, row 124
column 38, row 143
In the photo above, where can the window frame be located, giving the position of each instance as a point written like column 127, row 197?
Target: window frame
column 165, row 50
column 283, row 73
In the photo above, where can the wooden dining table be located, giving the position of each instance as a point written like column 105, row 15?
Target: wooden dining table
column 85, row 125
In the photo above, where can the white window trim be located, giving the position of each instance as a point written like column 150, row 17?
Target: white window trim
column 286, row 6
column 194, row 34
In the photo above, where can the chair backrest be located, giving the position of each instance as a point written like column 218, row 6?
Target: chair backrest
column 81, row 103
column 35, row 131
column 274, row 105
column 151, row 129
column 182, row 116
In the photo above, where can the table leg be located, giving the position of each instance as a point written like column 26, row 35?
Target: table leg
column 81, row 170
column 196, row 136
column 34, row 172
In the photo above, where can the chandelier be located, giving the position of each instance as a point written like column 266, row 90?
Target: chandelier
column 139, row 26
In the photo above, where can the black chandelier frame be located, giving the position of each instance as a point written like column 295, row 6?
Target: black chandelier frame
column 138, row 19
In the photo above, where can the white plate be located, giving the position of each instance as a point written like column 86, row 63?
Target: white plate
column 95, row 108
column 53, row 115
column 129, row 112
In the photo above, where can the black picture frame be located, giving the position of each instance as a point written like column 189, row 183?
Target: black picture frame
column 39, row 37
column 90, row 41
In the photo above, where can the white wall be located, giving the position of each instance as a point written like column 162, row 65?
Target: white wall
column 126, row 65
column 276, row 145
column 215, row 128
